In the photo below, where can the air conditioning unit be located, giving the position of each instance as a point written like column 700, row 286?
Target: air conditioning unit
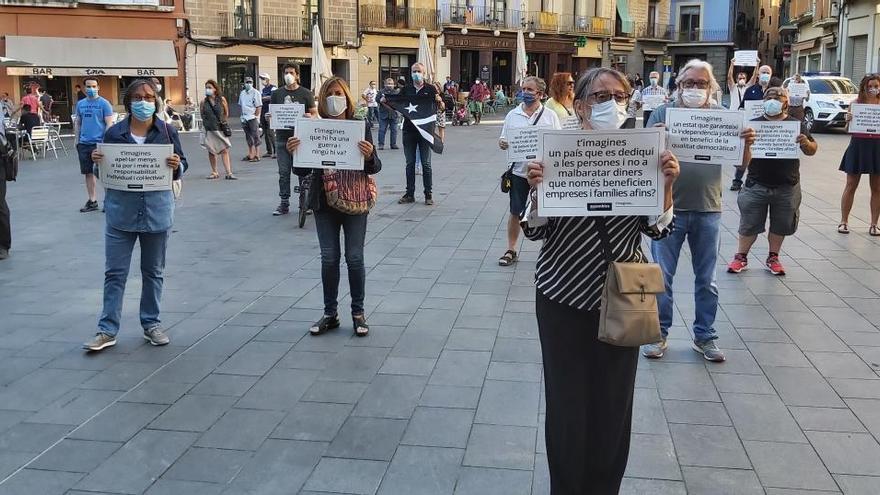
column 620, row 59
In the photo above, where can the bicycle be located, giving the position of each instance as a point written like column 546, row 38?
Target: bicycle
column 303, row 190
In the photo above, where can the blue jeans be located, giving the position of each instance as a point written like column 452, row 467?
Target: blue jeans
column 372, row 115
column 118, row 246
column 413, row 142
column 328, row 222
column 387, row 124
column 702, row 230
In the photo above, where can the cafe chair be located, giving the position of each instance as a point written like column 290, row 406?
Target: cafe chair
column 55, row 140
column 38, row 139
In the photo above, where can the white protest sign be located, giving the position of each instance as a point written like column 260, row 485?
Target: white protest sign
column 651, row 102
column 746, row 58
column 798, row 90
column 707, row 136
column 522, row 143
column 285, row 115
column 865, row 119
column 136, row 167
column 571, row 123
column 596, row 173
column 752, row 109
column 329, row 143
column 776, row 139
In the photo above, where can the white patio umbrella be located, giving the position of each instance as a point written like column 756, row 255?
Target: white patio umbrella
column 12, row 62
column 521, row 65
column 321, row 69
column 424, row 57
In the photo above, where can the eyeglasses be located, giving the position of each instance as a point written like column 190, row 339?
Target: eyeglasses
column 603, row 96
column 151, row 98
column 692, row 84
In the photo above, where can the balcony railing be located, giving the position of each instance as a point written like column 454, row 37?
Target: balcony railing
column 382, row 17
column 234, row 25
column 822, row 14
column 703, row 36
column 642, row 30
column 536, row 21
column 801, row 11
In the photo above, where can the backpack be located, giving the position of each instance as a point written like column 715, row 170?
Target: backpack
column 352, row 192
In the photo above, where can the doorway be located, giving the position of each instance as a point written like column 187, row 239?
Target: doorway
column 230, row 77
column 469, row 69
column 502, row 68
column 539, row 65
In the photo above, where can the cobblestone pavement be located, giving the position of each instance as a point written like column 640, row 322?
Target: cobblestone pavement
column 445, row 395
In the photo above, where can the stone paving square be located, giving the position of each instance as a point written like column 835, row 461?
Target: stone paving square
column 445, row 396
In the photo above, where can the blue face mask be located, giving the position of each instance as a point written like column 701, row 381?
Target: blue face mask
column 417, row 77
column 248, row 86
column 143, row 110
column 527, row 98
column 772, row 107
column 92, row 92
column 764, row 78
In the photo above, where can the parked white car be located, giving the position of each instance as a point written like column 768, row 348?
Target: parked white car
column 830, row 97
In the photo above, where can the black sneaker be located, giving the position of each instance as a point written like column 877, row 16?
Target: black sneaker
column 283, row 209
column 90, row 206
column 406, row 199
column 395, row 147
column 429, row 200
column 327, row 322
column 736, row 185
column 361, row 329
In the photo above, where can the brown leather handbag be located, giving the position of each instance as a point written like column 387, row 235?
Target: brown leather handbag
column 628, row 316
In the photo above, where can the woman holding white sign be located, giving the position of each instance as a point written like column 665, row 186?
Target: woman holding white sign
column 589, row 384
column 341, row 200
column 862, row 156
column 133, row 216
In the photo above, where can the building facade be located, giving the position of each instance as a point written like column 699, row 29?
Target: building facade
column 228, row 40
column 707, row 30
column 642, row 32
column 858, row 48
column 66, row 40
column 816, row 42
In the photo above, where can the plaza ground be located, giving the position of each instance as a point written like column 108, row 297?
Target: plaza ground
column 445, row 395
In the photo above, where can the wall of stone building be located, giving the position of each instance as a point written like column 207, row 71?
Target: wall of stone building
column 204, row 16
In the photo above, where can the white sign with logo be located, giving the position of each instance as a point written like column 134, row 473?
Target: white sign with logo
column 865, row 119
column 705, row 136
column 746, row 58
column 285, row 115
column 523, row 144
column 329, row 143
column 752, row 109
column 651, row 102
column 597, row 173
column 776, row 139
column 136, row 167
column 798, row 90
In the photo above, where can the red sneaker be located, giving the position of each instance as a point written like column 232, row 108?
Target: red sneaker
column 774, row 265
column 740, row 262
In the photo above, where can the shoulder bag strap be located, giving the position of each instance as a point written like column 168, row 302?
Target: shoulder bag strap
column 538, row 118
column 604, row 238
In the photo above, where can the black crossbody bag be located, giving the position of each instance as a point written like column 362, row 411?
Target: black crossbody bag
column 507, row 176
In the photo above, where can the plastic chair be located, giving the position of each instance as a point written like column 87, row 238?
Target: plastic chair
column 55, row 139
column 39, row 137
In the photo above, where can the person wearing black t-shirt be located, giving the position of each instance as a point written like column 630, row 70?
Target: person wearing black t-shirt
column 291, row 92
column 771, row 184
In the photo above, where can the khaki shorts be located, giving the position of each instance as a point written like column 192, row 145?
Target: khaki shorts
column 757, row 202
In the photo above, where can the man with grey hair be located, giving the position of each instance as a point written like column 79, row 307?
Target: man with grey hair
column 697, row 200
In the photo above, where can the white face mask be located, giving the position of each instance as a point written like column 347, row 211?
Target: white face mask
column 289, row 79
column 336, row 105
column 694, row 98
column 608, row 116
column 874, row 91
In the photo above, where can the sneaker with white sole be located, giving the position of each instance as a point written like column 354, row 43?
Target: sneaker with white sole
column 156, row 336
column 100, row 342
column 655, row 350
column 709, row 349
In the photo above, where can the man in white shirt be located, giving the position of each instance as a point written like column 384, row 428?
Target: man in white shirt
column 737, row 87
column 369, row 96
column 529, row 112
column 653, row 96
column 251, row 103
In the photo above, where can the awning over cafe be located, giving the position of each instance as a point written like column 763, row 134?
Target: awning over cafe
column 91, row 57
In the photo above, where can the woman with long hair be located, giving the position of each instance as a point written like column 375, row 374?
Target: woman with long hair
column 144, row 217
column 561, row 95
column 336, row 102
column 215, row 113
column 588, row 384
column 862, row 156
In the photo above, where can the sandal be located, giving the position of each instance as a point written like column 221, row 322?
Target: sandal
column 508, row 258
column 843, row 229
column 872, row 231
column 327, row 322
column 213, row 176
column 361, row 329
column 231, row 177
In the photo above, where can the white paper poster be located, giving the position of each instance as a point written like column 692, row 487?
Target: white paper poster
column 865, row 119
column 746, row 58
column 651, row 102
column 285, row 115
column 776, row 139
column 571, row 123
column 705, row 136
column 329, row 143
column 136, row 167
column 522, row 143
column 595, row 173
column 752, row 109
column 798, row 90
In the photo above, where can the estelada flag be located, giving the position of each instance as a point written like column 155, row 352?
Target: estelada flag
column 421, row 111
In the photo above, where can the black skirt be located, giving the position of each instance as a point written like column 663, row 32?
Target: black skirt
column 862, row 156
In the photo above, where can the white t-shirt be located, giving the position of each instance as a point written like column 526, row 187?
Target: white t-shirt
column 736, row 94
column 139, row 139
column 370, row 96
column 249, row 101
column 518, row 118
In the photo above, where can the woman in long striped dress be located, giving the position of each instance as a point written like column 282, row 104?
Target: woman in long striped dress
column 589, row 384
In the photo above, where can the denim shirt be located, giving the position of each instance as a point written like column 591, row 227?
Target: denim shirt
column 151, row 211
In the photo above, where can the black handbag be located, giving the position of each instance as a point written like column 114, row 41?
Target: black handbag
column 507, row 176
column 8, row 157
column 221, row 122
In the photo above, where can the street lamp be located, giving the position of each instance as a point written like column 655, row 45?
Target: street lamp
column 531, row 34
column 496, row 33
column 464, row 31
